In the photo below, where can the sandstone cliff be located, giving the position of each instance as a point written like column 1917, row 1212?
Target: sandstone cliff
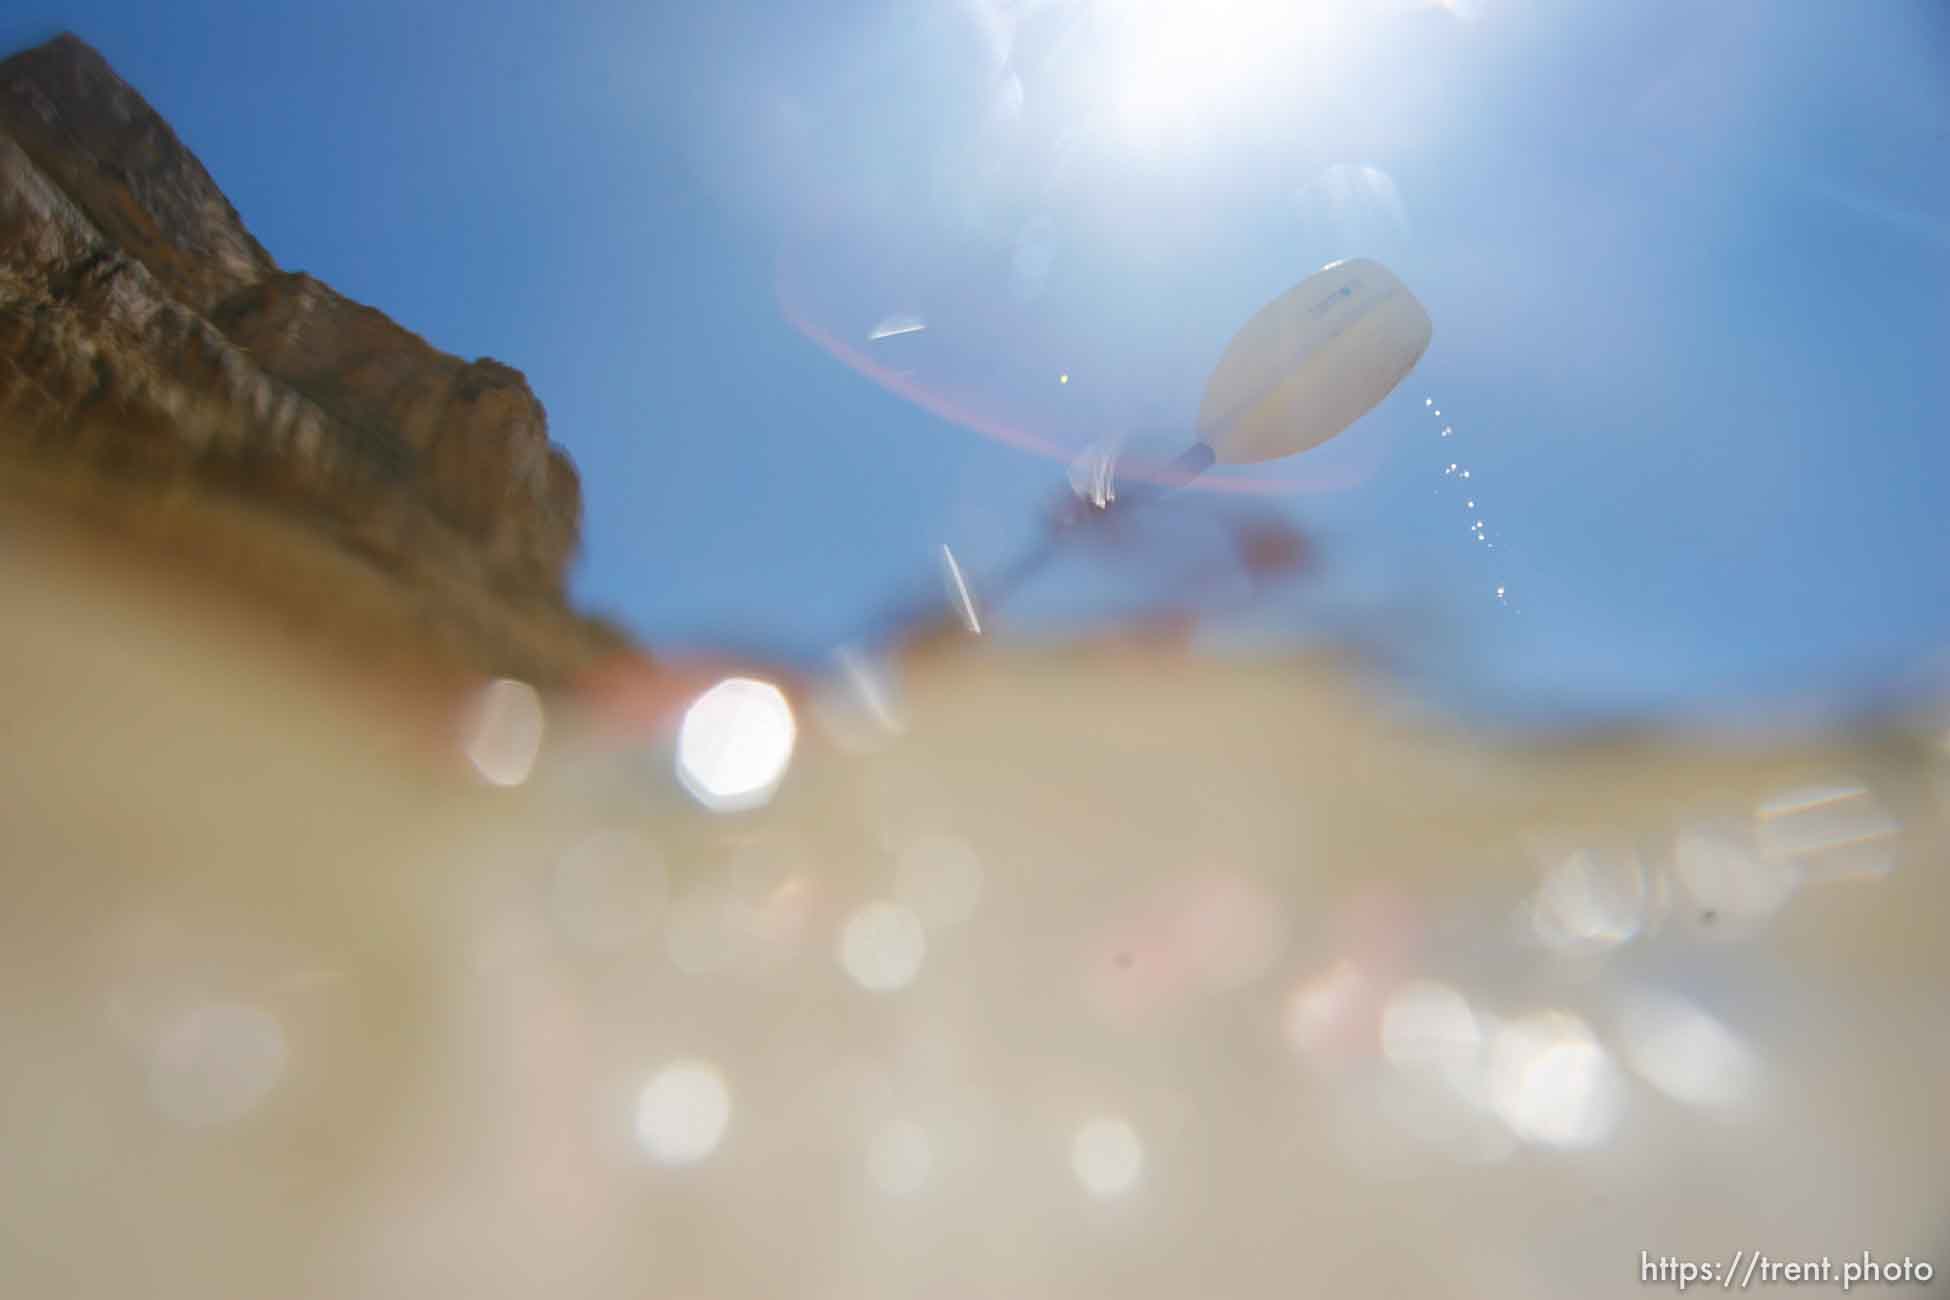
column 147, row 336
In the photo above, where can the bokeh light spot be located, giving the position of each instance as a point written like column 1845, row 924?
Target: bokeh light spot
column 1552, row 1082
column 900, row 1158
column 735, row 743
column 505, row 733
column 1106, row 1157
column 1427, row 1024
column 1687, row 1054
column 217, row 1063
column 939, row 878
column 882, row 945
column 682, row 1113
column 1320, row 1011
column 1589, row 901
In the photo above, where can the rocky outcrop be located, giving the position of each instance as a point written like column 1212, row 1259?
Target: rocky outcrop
column 146, row 334
column 471, row 432
column 103, row 146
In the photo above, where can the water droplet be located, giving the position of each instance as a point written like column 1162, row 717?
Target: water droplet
column 1465, row 473
column 1470, row 504
column 1438, row 415
column 1499, row 593
column 1428, row 401
column 1448, row 429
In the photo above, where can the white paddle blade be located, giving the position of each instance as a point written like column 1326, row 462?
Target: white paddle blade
column 1312, row 362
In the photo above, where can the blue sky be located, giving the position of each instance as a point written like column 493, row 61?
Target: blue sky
column 1688, row 267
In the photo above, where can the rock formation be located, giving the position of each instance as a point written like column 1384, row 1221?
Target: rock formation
column 147, row 336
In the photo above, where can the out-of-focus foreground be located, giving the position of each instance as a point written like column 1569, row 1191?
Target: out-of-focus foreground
column 1085, row 972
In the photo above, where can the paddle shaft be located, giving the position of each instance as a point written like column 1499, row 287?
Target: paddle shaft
column 1072, row 513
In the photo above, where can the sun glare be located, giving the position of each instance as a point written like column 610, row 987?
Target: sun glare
column 1176, row 63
